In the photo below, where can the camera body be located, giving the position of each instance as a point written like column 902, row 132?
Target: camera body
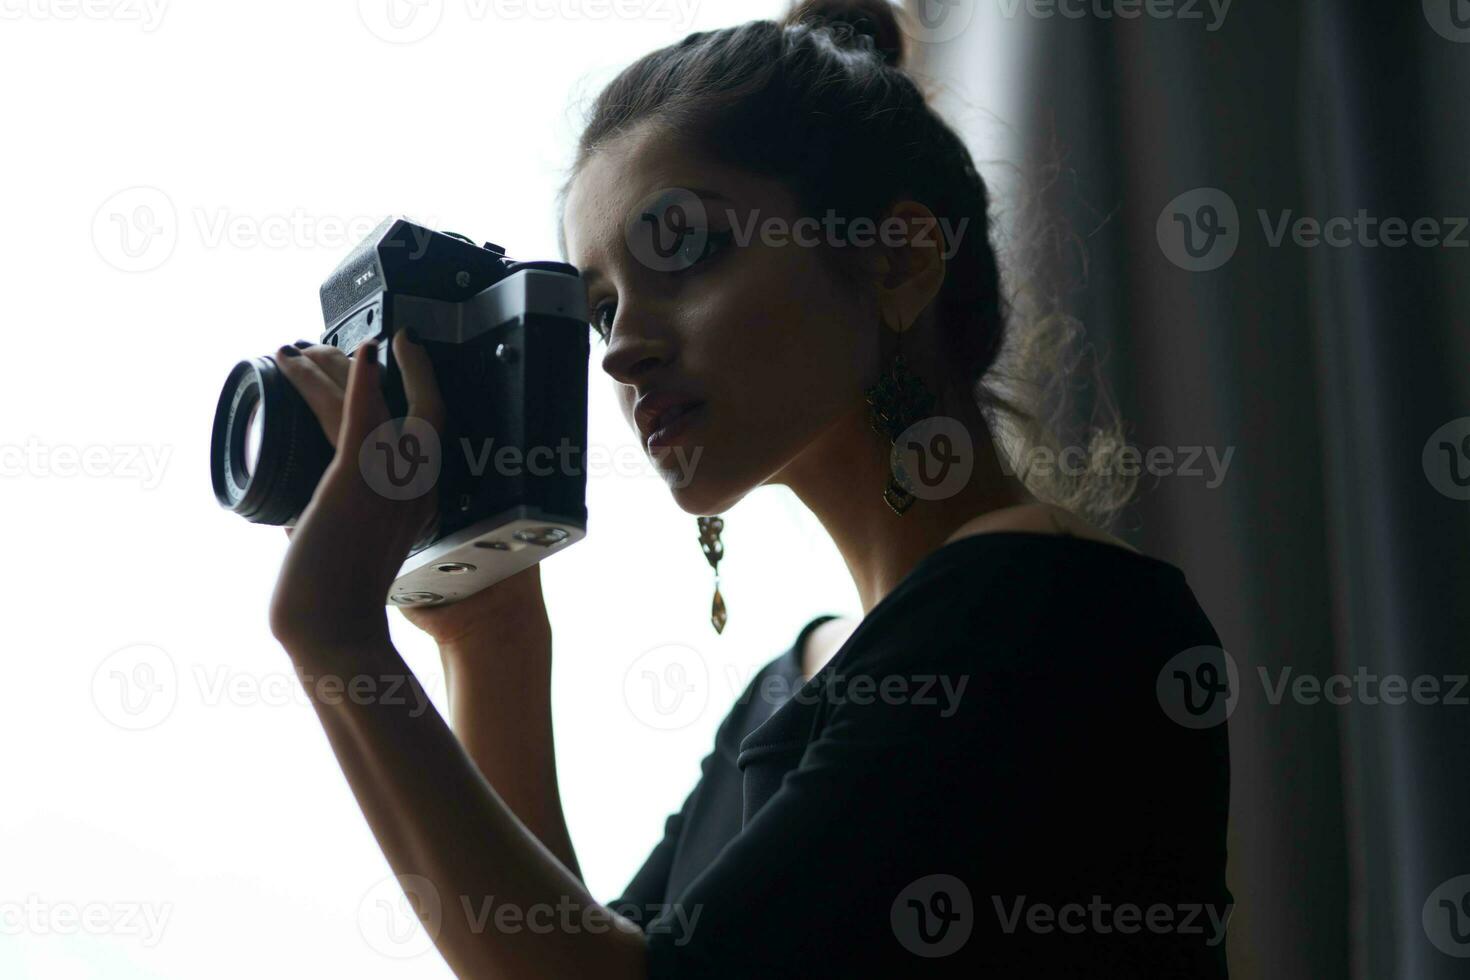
column 509, row 345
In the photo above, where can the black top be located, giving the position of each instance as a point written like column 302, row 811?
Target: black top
column 987, row 776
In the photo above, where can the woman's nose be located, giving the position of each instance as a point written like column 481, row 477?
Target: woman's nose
column 632, row 354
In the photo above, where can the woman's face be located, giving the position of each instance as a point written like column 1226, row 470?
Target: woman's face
column 761, row 337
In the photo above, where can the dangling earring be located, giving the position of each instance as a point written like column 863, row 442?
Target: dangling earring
column 714, row 550
column 897, row 401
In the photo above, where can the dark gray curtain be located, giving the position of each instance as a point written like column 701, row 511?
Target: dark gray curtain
column 1337, row 542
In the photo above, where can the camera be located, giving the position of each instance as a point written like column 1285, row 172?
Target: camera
column 509, row 344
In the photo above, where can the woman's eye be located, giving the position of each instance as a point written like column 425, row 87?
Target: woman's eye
column 603, row 314
column 714, row 241
column 602, row 318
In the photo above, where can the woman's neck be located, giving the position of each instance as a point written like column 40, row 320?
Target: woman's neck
column 841, row 477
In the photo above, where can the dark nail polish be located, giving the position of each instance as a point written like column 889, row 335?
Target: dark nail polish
column 303, row 344
column 289, row 351
column 413, row 335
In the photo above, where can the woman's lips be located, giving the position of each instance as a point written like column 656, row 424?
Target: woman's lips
column 675, row 424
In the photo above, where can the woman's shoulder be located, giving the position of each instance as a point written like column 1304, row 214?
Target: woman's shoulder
column 1035, row 601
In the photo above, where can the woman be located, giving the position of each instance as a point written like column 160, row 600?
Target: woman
column 977, row 777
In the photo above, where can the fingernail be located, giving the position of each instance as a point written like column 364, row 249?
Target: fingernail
column 288, row 351
column 369, row 350
column 303, row 344
column 413, row 335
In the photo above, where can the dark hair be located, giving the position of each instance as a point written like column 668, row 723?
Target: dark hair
column 821, row 102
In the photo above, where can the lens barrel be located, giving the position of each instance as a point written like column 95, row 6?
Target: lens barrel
column 274, row 483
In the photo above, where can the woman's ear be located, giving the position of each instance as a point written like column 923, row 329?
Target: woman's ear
column 909, row 270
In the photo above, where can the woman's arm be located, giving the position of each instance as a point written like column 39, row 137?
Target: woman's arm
column 508, row 907
column 499, row 687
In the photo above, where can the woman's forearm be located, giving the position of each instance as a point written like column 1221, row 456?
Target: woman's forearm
column 500, row 708
column 509, row 906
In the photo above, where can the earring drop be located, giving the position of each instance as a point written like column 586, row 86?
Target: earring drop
column 897, row 401
column 714, row 550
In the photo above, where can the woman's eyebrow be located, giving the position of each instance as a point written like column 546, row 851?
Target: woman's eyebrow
column 592, row 274
column 706, row 192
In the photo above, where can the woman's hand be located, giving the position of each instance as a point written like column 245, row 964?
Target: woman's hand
column 321, row 374
column 350, row 541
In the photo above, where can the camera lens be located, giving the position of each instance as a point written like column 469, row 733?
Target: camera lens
column 267, row 450
column 252, row 440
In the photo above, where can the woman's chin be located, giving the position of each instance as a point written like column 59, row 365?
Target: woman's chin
column 702, row 497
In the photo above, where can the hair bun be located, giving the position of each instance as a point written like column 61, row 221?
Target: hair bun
column 875, row 19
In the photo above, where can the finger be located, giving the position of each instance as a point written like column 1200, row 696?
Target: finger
column 322, row 395
column 419, row 384
column 364, row 408
column 330, row 359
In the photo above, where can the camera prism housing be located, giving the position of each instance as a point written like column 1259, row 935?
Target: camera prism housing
column 509, row 344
